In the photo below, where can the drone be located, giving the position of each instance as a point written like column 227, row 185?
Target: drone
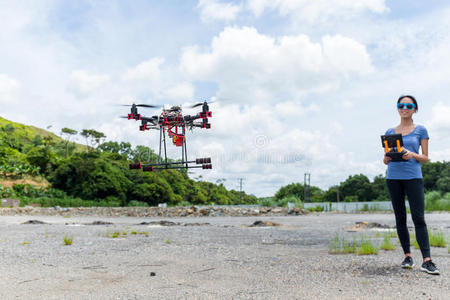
column 172, row 123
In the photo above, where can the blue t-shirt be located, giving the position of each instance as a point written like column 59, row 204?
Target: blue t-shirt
column 409, row 169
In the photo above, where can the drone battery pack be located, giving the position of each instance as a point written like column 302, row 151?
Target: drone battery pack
column 393, row 146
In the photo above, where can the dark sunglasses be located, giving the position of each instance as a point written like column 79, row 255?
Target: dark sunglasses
column 409, row 106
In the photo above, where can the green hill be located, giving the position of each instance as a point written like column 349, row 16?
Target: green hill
column 24, row 132
column 71, row 174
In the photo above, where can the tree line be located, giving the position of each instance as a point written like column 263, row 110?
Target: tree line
column 99, row 171
column 436, row 177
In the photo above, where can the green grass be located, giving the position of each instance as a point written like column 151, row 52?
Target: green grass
column 435, row 201
column 124, row 233
column 168, row 241
column 366, row 247
column 68, row 240
column 115, row 234
column 413, row 241
column 437, row 239
column 387, row 243
column 339, row 245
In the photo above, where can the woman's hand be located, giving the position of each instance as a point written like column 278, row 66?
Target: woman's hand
column 386, row 159
column 408, row 155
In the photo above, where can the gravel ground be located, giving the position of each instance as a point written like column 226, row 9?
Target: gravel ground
column 224, row 259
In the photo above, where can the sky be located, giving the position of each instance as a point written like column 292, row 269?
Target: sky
column 301, row 86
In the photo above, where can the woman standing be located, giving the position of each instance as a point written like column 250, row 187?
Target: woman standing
column 405, row 178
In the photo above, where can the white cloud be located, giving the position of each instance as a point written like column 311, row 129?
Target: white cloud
column 148, row 70
column 318, row 10
column 9, row 89
column 440, row 121
column 82, row 83
column 181, row 92
column 213, row 10
column 254, row 67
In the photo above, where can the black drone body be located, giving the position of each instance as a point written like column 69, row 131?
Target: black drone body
column 171, row 122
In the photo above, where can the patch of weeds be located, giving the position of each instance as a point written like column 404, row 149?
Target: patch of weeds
column 392, row 233
column 144, row 233
column 67, row 216
column 387, row 243
column 413, row 241
column 339, row 245
column 115, row 234
column 437, row 239
column 46, row 233
column 134, row 232
column 68, row 240
column 378, row 234
column 25, row 243
column 366, row 247
column 168, row 241
column 124, row 233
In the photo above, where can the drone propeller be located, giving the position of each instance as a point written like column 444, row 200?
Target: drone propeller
column 142, row 105
column 148, row 105
column 201, row 103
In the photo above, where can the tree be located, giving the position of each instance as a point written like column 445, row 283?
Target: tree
column 42, row 157
column 67, row 134
column 93, row 137
column 293, row 189
column 379, row 188
column 91, row 176
column 432, row 172
column 358, row 187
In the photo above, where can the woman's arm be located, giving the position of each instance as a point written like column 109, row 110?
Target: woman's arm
column 422, row 158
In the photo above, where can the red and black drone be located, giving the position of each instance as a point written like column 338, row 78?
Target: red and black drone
column 172, row 122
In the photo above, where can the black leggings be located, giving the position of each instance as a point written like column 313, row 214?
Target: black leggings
column 413, row 188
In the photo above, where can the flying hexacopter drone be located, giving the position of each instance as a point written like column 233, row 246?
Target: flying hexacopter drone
column 171, row 122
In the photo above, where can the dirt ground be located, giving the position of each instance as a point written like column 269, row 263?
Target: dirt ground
column 209, row 258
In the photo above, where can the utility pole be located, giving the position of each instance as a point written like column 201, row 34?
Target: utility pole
column 240, row 189
column 306, row 187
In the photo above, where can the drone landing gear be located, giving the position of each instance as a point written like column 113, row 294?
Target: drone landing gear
column 203, row 163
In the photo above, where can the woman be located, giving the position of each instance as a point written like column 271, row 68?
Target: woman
column 405, row 178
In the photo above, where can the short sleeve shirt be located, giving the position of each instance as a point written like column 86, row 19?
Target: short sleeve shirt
column 409, row 169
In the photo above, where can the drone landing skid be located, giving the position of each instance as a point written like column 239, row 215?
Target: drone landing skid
column 204, row 163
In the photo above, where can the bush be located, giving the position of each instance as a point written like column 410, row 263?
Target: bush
column 135, row 203
column 434, row 201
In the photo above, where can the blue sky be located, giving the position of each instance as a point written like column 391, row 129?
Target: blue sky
column 306, row 86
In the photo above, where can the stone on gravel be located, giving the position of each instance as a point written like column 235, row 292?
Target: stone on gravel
column 160, row 223
column 367, row 225
column 34, row 222
column 260, row 223
column 99, row 223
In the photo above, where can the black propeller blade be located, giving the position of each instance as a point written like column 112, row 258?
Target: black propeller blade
column 148, row 105
column 142, row 105
column 201, row 103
